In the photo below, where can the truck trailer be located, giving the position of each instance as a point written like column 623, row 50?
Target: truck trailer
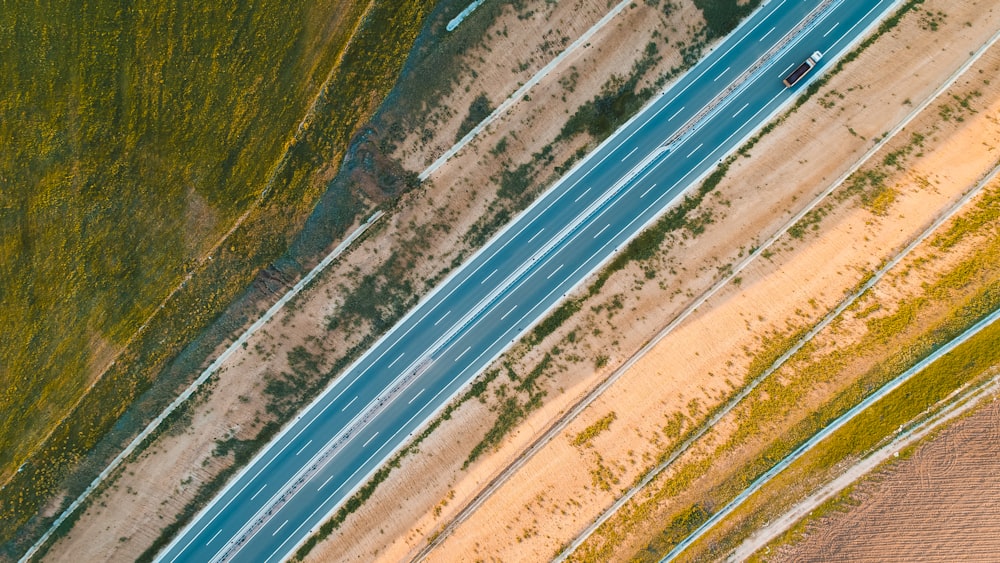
column 802, row 69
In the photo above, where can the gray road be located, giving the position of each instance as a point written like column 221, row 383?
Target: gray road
column 318, row 461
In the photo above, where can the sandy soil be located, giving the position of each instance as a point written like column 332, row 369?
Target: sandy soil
column 706, row 356
column 941, row 504
column 869, row 238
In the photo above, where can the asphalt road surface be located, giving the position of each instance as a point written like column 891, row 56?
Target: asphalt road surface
column 409, row 375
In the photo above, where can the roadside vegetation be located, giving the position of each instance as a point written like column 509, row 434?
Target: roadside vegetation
column 971, row 364
column 891, row 343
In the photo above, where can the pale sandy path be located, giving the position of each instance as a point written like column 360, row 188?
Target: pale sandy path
column 960, row 405
column 829, row 430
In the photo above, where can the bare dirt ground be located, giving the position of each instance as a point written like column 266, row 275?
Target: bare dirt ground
column 940, row 504
column 867, row 238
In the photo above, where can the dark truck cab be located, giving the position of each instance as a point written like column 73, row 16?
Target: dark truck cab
column 802, row 69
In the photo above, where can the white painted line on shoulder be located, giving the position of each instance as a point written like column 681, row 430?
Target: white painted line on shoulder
column 630, row 153
column 304, row 447
column 410, row 402
column 442, row 318
column 579, row 197
column 369, row 440
column 349, row 404
column 651, row 186
column 508, row 312
column 548, row 277
column 675, row 113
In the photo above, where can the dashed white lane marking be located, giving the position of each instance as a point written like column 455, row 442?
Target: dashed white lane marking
column 319, row 488
column 676, row 113
column 280, row 527
column 508, row 312
column 487, row 277
column 579, row 197
column 548, row 277
column 721, row 74
column 410, row 402
column 349, row 404
column 442, row 318
column 630, row 153
column 396, row 360
column 259, row 492
column 602, row 230
column 213, row 537
column 304, row 447
column 534, row 236
column 695, row 150
column 369, row 440
column 762, row 37
column 741, row 109
column 463, row 353
column 831, row 29
column 651, row 186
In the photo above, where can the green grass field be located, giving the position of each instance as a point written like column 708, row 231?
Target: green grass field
column 134, row 139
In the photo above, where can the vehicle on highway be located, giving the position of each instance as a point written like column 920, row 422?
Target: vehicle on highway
column 802, row 69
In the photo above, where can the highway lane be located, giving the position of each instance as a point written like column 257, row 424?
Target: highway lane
column 522, row 273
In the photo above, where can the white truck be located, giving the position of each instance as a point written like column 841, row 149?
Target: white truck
column 802, row 69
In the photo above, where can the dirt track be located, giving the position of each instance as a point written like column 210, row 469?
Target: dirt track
column 941, row 504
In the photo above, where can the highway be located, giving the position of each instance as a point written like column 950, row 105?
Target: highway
column 317, row 462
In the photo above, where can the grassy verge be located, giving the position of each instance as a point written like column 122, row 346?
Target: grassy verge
column 893, row 341
column 896, row 339
column 368, row 69
column 973, row 361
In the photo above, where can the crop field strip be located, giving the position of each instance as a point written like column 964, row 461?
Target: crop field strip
column 897, row 389
column 265, row 233
column 928, row 433
column 936, row 496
